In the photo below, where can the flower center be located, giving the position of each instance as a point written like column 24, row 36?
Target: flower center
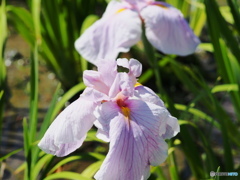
column 162, row 6
column 137, row 84
column 124, row 109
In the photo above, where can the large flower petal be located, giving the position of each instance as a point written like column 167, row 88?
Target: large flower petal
column 115, row 32
column 171, row 127
column 167, row 30
column 134, row 142
column 138, row 4
column 68, row 130
column 146, row 94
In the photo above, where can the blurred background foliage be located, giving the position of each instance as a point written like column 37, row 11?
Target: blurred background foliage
column 201, row 90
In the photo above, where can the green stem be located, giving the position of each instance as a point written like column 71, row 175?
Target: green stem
column 149, row 51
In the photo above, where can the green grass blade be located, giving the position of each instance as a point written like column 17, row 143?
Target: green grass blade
column 209, row 101
column 63, row 162
column 66, row 175
column 22, row 21
column 159, row 173
column 92, row 169
column 235, row 13
column 197, row 113
column 35, row 8
column 3, row 74
column 211, row 161
column 48, row 117
column 146, row 76
column 91, row 136
column 33, row 95
column 198, row 17
column 10, row 154
column 173, row 168
column 1, row 94
column 39, row 165
column 216, row 21
column 27, row 152
column 225, row 88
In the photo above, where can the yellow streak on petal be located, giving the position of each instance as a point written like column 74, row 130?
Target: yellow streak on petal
column 120, row 10
column 162, row 6
column 125, row 111
column 137, row 84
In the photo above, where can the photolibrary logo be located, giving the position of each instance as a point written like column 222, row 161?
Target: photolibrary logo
column 212, row 174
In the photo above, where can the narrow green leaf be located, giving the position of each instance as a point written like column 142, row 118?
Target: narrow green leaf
column 3, row 71
column 63, row 162
column 35, row 8
column 159, row 172
column 197, row 113
column 21, row 168
column 27, row 151
column 25, row 136
column 235, row 13
column 97, row 155
column 216, row 21
column 206, row 47
column 33, row 95
column 21, row 19
column 48, row 117
column 91, row 169
column 10, row 154
column 146, row 76
column 91, row 136
column 225, row 87
column 67, row 175
column 197, row 17
column 39, row 165
column 1, row 94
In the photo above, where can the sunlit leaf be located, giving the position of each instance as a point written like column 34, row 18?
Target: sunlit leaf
column 91, row 169
column 66, row 175
column 225, row 87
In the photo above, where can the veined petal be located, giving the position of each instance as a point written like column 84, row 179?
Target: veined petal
column 115, row 32
column 169, row 124
column 138, row 4
column 146, row 94
column 167, row 30
column 172, row 127
column 123, row 83
column 68, row 130
column 134, row 142
column 90, row 94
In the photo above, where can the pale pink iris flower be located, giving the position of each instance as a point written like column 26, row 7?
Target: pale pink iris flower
column 121, row 27
column 127, row 114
